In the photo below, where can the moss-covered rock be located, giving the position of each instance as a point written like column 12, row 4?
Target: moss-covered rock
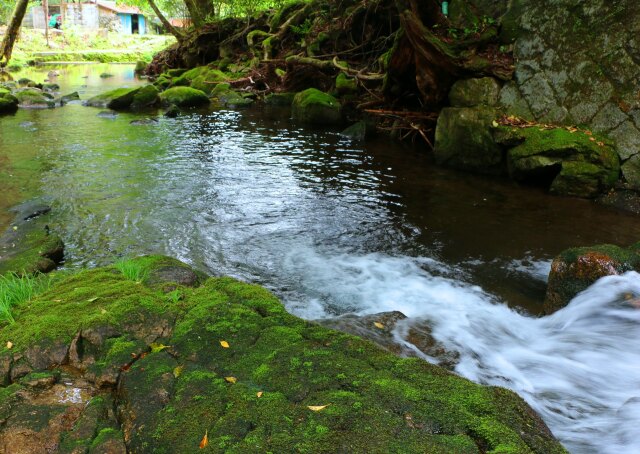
column 230, row 98
column 316, row 107
column 574, row 270
column 571, row 163
column 34, row 98
column 224, row 358
column 118, row 99
column 147, row 96
column 346, row 85
column 464, row 140
column 8, row 102
column 475, row 92
column 184, row 97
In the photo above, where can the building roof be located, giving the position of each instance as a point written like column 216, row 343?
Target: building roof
column 122, row 9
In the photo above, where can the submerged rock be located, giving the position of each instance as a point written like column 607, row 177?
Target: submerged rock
column 28, row 246
column 143, row 122
column 110, row 114
column 172, row 112
column 184, row 97
column 118, row 99
column 70, row 97
column 279, row 99
column 578, row 268
column 316, row 107
column 225, row 358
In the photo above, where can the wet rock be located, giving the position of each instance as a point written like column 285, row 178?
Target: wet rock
column 279, row 99
column 184, row 97
column 359, row 131
column 41, row 380
column 50, row 87
column 315, row 107
column 70, row 97
column 576, row 269
column 172, row 112
column 8, row 103
column 110, row 114
column 573, row 164
column 143, row 122
column 118, row 99
column 147, row 96
column 464, row 140
column 623, row 199
column 232, row 98
column 475, row 92
column 34, row 98
column 105, row 75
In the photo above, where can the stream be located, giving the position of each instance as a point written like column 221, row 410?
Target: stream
column 333, row 226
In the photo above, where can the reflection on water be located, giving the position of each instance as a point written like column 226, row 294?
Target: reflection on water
column 333, row 226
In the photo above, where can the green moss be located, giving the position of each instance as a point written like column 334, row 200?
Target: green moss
column 147, row 96
column 120, row 98
column 345, row 85
column 104, row 436
column 184, row 97
column 317, row 107
column 33, row 97
column 37, row 251
column 375, row 402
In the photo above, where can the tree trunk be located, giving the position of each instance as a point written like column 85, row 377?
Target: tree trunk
column 170, row 28
column 200, row 10
column 45, row 8
column 12, row 32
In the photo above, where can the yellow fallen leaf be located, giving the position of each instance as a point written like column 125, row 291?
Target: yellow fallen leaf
column 593, row 139
column 10, row 345
column 317, row 407
column 177, row 371
column 495, row 124
column 155, row 347
column 378, row 325
column 91, row 300
column 259, row 394
column 103, row 311
column 205, row 440
column 57, row 301
column 224, row 344
column 15, row 228
column 231, row 379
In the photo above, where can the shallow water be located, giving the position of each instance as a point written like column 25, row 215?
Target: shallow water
column 333, row 226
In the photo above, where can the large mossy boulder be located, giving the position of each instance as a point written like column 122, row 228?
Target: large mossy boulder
column 571, row 162
column 464, row 140
column 576, row 269
column 484, row 91
column 147, row 96
column 118, row 99
column 316, row 107
column 34, row 98
column 184, row 97
column 225, row 359
column 8, row 102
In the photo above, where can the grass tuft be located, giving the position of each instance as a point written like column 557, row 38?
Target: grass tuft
column 132, row 270
column 16, row 290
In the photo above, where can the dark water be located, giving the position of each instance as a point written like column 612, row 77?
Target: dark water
column 330, row 225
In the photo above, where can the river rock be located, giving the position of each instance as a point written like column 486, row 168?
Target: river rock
column 231, row 98
column 316, row 107
column 118, row 99
column 360, row 130
column 147, row 96
column 70, row 97
column 346, row 85
column 143, row 122
column 8, row 102
column 279, row 99
column 475, row 92
column 34, row 98
column 234, row 362
column 141, row 67
column 569, row 163
column 172, row 112
column 576, row 269
column 464, row 140
column 184, row 97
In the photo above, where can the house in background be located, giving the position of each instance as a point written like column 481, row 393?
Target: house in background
column 91, row 15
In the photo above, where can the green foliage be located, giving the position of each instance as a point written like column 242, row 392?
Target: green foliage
column 16, row 290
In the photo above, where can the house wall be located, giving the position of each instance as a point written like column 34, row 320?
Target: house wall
column 88, row 16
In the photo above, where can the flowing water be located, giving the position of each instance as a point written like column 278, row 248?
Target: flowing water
column 333, row 227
